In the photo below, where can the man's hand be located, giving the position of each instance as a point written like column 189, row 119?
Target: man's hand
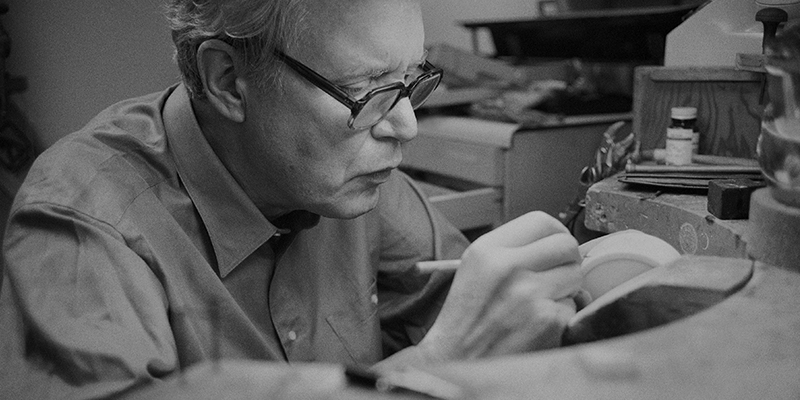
column 512, row 293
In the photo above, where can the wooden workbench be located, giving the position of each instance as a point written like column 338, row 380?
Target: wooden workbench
column 746, row 347
column 680, row 218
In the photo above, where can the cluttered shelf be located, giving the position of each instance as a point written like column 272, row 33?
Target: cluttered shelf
column 531, row 94
column 700, row 208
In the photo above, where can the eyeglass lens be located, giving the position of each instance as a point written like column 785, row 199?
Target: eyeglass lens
column 376, row 108
column 423, row 90
column 382, row 103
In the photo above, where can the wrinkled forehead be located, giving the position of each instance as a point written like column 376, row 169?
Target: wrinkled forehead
column 341, row 7
column 326, row 17
column 341, row 35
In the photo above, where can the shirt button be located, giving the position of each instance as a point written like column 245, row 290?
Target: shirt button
column 292, row 335
column 374, row 298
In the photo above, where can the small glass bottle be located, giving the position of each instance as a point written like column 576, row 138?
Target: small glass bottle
column 682, row 136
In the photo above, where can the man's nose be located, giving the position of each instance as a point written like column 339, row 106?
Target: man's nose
column 400, row 123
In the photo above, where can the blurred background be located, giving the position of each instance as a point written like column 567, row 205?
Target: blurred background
column 80, row 56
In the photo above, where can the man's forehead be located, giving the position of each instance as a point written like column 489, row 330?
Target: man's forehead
column 334, row 7
column 344, row 4
column 345, row 26
column 331, row 8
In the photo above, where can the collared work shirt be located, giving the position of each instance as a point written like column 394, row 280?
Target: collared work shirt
column 132, row 253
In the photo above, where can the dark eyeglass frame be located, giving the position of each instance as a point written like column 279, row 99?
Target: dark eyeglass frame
column 356, row 105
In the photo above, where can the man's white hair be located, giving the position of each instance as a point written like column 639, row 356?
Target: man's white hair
column 253, row 27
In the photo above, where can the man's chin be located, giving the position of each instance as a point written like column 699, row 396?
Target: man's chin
column 353, row 207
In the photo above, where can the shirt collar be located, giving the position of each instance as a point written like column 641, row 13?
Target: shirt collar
column 234, row 224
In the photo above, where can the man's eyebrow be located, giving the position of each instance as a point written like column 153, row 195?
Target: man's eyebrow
column 421, row 61
column 361, row 72
column 424, row 57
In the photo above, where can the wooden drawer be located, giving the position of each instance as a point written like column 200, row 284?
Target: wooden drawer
column 468, row 209
column 472, row 162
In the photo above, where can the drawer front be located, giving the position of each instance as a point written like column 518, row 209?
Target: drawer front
column 471, row 162
column 466, row 209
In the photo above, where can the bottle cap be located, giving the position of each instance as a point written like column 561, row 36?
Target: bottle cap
column 684, row 112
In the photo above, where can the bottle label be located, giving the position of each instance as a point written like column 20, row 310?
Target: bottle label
column 679, row 146
column 680, row 133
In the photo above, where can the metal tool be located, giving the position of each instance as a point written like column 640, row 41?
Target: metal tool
column 610, row 157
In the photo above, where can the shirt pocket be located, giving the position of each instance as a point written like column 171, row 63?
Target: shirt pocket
column 358, row 328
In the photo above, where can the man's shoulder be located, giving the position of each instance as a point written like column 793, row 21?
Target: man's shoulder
column 111, row 161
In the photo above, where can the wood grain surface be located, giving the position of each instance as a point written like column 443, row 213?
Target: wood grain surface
column 681, row 218
column 729, row 106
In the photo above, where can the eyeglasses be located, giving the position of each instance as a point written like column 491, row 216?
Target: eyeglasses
column 377, row 103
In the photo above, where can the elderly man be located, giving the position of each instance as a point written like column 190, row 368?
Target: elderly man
column 255, row 211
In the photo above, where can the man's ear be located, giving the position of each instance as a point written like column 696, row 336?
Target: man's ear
column 223, row 78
